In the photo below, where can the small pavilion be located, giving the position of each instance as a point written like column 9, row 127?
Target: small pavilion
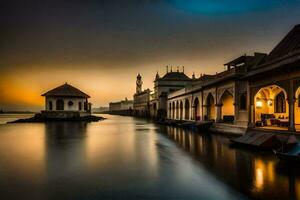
column 66, row 101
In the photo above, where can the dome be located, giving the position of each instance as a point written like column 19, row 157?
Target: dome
column 175, row 76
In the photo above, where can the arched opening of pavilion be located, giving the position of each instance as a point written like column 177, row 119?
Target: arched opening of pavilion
column 187, row 109
column 196, row 114
column 271, row 109
column 181, row 110
column 59, row 104
column 227, row 109
column 210, row 107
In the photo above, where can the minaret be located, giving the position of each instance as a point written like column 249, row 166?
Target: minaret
column 157, row 76
column 139, row 84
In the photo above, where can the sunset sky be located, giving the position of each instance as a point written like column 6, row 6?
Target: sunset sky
column 99, row 46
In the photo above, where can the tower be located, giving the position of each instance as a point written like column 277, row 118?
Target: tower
column 139, row 84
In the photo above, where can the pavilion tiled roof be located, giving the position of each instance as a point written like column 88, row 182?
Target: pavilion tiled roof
column 65, row 90
column 288, row 45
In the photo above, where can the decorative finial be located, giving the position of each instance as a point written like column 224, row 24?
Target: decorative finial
column 177, row 68
column 183, row 69
column 193, row 76
column 171, row 68
column 167, row 68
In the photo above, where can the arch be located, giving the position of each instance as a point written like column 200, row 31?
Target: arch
column 50, row 105
column 177, row 110
column 227, row 107
column 280, row 106
column 210, row 111
column 196, row 106
column 181, row 110
column 187, row 109
column 173, row 110
column 270, row 105
column 224, row 92
column 59, row 104
column 79, row 106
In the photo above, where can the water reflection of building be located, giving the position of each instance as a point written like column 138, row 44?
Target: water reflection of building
column 65, row 147
column 56, row 131
column 254, row 174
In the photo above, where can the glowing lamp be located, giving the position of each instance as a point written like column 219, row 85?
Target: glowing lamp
column 270, row 102
column 258, row 104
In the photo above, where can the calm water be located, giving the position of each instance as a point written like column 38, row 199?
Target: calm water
column 128, row 158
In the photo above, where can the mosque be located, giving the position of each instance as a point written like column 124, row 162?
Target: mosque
column 259, row 90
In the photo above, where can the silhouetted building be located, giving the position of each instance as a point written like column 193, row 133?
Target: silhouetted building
column 121, row 105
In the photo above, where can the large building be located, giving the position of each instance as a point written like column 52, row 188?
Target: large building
column 66, row 101
column 154, row 104
column 260, row 90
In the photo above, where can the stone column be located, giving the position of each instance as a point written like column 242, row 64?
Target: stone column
column 252, row 116
column 193, row 112
column 291, row 102
column 236, row 112
column 204, row 112
column 219, row 112
column 292, row 115
column 250, row 104
column 190, row 109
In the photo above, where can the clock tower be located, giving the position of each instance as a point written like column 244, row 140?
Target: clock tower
column 139, row 84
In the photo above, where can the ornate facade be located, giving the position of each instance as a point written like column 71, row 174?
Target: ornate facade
column 260, row 90
column 154, row 104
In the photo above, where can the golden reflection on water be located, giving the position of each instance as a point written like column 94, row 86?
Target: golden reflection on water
column 31, row 153
column 23, row 151
column 123, row 148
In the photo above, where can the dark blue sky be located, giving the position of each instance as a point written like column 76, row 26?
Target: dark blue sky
column 89, row 42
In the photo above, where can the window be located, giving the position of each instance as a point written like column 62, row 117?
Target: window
column 70, row 103
column 280, row 106
column 79, row 106
column 50, row 105
column 243, row 102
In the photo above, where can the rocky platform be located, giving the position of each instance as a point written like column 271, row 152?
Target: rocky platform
column 40, row 118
